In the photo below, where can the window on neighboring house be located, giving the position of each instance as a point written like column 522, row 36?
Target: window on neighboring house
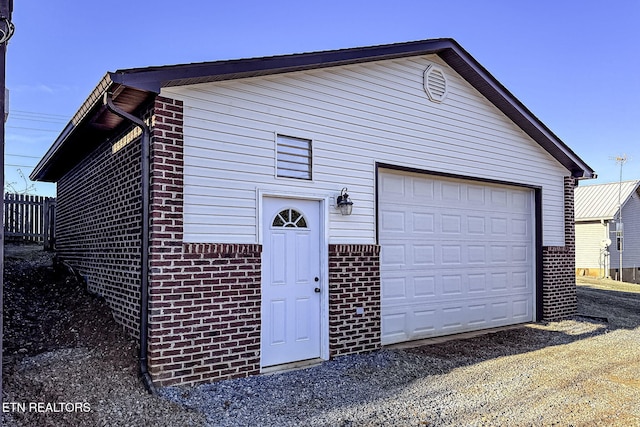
column 293, row 157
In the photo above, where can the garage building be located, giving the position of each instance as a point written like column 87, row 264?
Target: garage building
column 244, row 216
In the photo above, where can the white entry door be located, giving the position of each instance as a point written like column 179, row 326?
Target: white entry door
column 290, row 281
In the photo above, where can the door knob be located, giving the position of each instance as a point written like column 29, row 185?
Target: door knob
column 316, row 279
column 317, row 290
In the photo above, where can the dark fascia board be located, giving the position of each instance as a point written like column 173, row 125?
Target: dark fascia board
column 40, row 172
column 152, row 79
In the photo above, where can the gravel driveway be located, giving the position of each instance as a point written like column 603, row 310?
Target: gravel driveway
column 581, row 371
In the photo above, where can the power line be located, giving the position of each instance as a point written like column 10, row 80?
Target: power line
column 22, row 155
column 33, row 119
column 38, row 129
column 37, row 118
column 19, row 166
column 39, row 114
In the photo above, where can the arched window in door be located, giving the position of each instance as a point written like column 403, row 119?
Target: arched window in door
column 289, row 218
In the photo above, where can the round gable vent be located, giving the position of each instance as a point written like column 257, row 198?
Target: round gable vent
column 435, row 83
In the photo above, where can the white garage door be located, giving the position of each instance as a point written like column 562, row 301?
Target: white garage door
column 456, row 255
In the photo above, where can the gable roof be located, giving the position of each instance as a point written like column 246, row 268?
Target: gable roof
column 134, row 88
column 601, row 201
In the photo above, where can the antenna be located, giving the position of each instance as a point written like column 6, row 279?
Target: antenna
column 621, row 160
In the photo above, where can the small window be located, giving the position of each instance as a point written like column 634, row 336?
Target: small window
column 289, row 218
column 293, row 157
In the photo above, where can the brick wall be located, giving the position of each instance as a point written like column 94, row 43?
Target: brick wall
column 559, row 298
column 204, row 298
column 98, row 227
column 354, row 281
column 204, row 314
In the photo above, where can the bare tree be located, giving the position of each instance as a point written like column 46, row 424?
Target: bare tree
column 26, row 187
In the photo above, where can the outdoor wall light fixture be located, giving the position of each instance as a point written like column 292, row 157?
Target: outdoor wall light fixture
column 344, row 203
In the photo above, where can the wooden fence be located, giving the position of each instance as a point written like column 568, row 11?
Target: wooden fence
column 29, row 218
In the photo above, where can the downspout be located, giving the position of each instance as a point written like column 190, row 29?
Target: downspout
column 144, row 256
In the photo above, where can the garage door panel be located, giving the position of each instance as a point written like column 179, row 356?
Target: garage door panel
column 451, row 255
column 520, row 202
column 424, row 321
column 394, row 255
column 424, row 286
column 476, row 225
column 499, row 311
column 393, row 221
column 478, row 315
column 424, row 189
column 451, row 285
column 420, row 321
column 451, row 224
column 409, row 286
column 498, row 254
column 451, row 316
column 520, row 253
column 519, row 228
column 404, row 286
column 522, row 309
column 476, row 194
column 395, row 289
column 393, row 186
column 520, row 281
column 477, row 283
column 422, row 223
column 418, row 224
column 477, row 254
column 423, row 254
column 499, row 281
column 463, row 254
column 394, row 325
column 499, row 197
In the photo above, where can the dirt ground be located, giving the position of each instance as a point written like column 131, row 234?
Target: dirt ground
column 61, row 347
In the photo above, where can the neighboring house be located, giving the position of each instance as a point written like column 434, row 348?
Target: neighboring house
column 462, row 214
column 598, row 237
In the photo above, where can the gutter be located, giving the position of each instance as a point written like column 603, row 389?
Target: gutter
column 144, row 256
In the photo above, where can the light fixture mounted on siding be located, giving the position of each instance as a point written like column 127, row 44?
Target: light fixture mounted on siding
column 435, row 83
column 344, row 203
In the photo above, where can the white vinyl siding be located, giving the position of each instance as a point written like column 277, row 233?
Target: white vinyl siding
column 589, row 251
column 631, row 221
column 356, row 115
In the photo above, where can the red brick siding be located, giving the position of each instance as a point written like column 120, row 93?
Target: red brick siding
column 204, row 298
column 559, row 298
column 98, row 227
column 354, row 281
column 205, row 314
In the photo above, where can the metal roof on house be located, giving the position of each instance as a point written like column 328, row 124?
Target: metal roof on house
column 133, row 89
column 602, row 201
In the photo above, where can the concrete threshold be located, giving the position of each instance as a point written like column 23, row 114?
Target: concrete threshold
column 293, row 366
